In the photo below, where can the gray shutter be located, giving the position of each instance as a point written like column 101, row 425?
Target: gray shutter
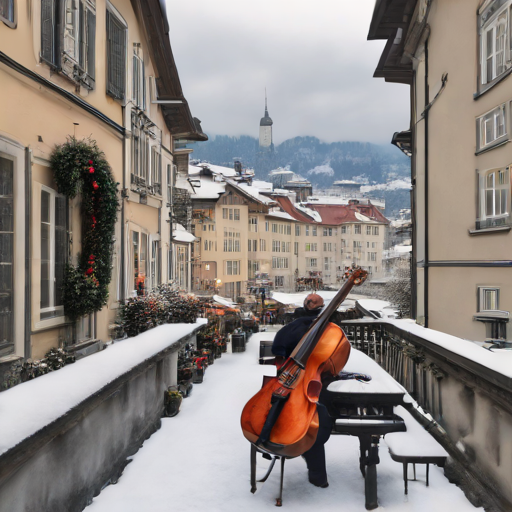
column 48, row 20
column 116, row 57
column 91, row 43
column 82, row 37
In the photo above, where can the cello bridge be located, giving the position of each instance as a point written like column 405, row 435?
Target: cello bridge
column 290, row 376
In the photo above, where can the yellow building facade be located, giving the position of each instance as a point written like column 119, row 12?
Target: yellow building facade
column 87, row 70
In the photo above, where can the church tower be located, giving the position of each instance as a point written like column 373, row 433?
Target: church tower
column 266, row 130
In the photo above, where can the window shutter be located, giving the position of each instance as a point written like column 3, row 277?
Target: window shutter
column 70, row 29
column 91, row 43
column 48, row 31
column 116, row 57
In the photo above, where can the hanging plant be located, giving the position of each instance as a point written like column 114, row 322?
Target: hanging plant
column 80, row 167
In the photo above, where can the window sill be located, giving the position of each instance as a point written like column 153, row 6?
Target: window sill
column 492, row 316
column 50, row 323
column 489, row 231
column 492, row 146
column 488, row 87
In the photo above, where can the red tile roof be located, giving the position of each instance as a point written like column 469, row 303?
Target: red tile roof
column 339, row 214
column 332, row 214
column 287, row 206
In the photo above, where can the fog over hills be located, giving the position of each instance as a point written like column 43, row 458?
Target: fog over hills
column 384, row 167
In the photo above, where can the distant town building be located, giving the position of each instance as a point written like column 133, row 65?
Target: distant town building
column 302, row 188
column 347, row 186
column 245, row 230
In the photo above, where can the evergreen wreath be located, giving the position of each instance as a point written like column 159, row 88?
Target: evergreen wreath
column 80, row 167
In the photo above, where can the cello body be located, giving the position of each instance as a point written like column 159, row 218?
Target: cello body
column 296, row 429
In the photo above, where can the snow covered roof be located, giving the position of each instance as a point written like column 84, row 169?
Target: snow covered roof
column 209, row 188
column 281, row 215
column 285, row 203
column 254, row 191
column 180, row 234
column 308, row 211
column 183, row 183
column 224, row 302
column 340, row 214
column 215, row 169
column 404, row 183
column 381, row 307
column 297, row 299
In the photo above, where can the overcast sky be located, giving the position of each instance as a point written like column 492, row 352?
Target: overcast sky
column 313, row 58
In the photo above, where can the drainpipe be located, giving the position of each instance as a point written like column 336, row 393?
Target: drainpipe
column 414, row 255
column 28, row 280
column 122, row 263
column 426, row 268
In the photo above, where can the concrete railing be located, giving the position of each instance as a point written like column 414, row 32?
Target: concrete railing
column 64, row 464
column 470, row 402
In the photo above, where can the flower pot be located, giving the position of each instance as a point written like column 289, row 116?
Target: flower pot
column 172, row 402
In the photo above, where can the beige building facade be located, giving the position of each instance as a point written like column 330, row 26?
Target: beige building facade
column 458, row 137
column 245, row 233
column 88, row 70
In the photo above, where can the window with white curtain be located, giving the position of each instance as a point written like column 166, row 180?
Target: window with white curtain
column 53, row 252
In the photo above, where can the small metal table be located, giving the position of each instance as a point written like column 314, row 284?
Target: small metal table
column 365, row 410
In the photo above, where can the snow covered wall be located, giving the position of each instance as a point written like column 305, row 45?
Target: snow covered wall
column 66, row 434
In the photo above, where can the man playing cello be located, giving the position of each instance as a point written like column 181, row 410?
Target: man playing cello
column 285, row 342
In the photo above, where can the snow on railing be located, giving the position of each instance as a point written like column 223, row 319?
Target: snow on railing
column 31, row 406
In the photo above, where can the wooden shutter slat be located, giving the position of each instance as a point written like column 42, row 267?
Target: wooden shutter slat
column 48, row 31
column 91, row 43
column 116, row 48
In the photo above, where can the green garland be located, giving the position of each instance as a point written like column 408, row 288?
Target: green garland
column 79, row 166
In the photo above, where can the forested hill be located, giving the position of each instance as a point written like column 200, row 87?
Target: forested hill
column 319, row 162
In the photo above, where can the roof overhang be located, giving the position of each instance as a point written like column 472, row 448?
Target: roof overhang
column 391, row 20
column 174, row 106
column 403, row 141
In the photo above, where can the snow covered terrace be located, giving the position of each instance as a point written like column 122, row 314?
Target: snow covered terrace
column 199, row 460
column 54, row 430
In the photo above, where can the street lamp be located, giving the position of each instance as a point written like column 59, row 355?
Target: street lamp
column 218, row 282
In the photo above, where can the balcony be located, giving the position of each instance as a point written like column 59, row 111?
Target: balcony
column 465, row 391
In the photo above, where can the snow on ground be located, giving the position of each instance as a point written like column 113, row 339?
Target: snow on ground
column 28, row 407
column 199, row 461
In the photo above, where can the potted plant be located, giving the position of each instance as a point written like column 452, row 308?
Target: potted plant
column 172, row 402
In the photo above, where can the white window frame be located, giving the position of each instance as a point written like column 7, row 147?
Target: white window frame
column 279, row 262
column 498, row 59
column 57, row 309
column 232, row 267
column 498, row 214
column 312, row 262
column 156, row 170
column 253, row 224
column 138, row 77
column 482, row 300
column 492, row 128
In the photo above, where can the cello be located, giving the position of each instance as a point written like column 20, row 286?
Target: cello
column 282, row 418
